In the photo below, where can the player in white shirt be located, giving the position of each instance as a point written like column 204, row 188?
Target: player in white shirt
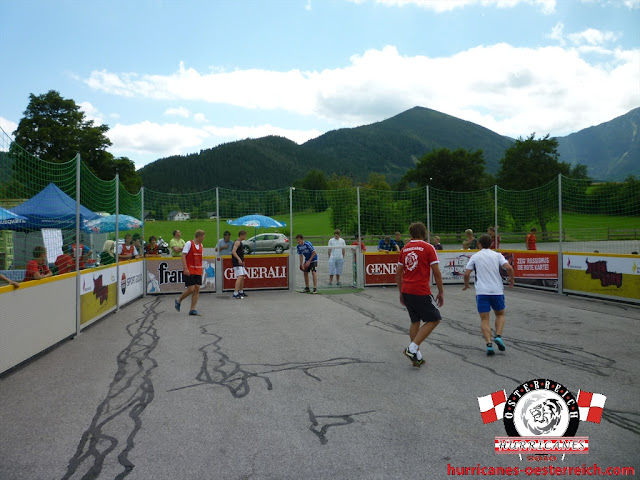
column 489, row 289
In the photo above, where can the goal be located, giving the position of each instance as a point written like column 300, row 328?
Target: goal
column 348, row 277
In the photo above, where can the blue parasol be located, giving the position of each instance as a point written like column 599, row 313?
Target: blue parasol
column 256, row 221
column 108, row 224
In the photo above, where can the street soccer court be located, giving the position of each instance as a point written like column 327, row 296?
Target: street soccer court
column 283, row 385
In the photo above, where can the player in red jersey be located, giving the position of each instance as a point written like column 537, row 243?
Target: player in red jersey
column 417, row 260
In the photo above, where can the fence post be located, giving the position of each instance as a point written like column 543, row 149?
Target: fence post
column 428, row 216
column 291, row 253
column 560, row 247
column 495, row 214
column 144, row 257
column 77, row 259
column 117, row 234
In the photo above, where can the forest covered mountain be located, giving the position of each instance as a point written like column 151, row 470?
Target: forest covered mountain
column 611, row 151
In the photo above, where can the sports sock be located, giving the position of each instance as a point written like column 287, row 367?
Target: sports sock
column 241, row 291
column 413, row 348
column 419, row 355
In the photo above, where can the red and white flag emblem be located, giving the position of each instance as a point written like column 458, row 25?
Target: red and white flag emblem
column 492, row 406
column 590, row 406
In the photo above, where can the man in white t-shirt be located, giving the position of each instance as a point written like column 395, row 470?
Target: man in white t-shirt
column 336, row 257
column 489, row 289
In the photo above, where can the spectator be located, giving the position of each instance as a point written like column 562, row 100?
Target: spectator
column 472, row 241
column 83, row 251
column 137, row 243
column 108, row 256
column 436, row 243
column 495, row 239
column 336, row 257
column 65, row 263
column 387, row 245
column 151, row 248
column 37, row 268
column 358, row 241
column 531, row 239
column 225, row 244
column 399, row 241
column 9, row 281
column 126, row 250
column 176, row 244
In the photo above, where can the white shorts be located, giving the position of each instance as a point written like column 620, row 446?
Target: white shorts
column 240, row 271
column 335, row 265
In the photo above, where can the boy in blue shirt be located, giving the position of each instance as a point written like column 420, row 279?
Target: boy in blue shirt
column 308, row 253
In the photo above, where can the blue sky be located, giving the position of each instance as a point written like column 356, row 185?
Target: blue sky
column 177, row 76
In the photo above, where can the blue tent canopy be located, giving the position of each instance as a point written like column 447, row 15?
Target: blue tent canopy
column 51, row 208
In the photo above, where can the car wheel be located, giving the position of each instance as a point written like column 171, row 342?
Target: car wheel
column 279, row 249
column 247, row 250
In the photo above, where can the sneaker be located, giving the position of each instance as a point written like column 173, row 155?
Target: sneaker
column 177, row 306
column 499, row 343
column 490, row 350
column 338, row 284
column 419, row 362
column 412, row 357
column 315, row 290
column 242, row 294
column 194, row 313
column 306, row 290
column 237, row 297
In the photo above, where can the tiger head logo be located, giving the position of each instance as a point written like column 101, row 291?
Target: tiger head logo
column 543, row 417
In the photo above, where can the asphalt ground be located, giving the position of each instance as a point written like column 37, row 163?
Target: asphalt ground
column 285, row 385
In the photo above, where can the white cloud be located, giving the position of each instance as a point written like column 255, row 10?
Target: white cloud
column 513, row 91
column 91, row 112
column 200, row 118
column 178, row 112
column 8, row 126
column 148, row 139
column 593, row 37
column 547, row 6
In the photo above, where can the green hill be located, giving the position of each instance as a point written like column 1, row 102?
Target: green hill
column 611, row 151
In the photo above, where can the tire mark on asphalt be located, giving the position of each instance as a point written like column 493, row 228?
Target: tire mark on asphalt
column 219, row 369
column 129, row 394
column 321, row 433
column 623, row 419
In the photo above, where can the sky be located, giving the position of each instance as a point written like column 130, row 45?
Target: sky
column 178, row 76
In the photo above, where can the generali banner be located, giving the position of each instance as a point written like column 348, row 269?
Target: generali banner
column 380, row 268
column 263, row 272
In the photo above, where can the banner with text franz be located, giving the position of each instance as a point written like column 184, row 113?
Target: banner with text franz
column 164, row 275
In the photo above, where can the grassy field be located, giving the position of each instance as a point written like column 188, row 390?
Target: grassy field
column 577, row 227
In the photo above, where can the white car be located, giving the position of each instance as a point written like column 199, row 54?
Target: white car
column 266, row 242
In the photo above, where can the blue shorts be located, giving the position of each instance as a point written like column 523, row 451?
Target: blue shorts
column 486, row 302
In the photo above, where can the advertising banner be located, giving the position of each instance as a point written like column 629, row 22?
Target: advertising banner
column 263, row 272
column 131, row 279
column 98, row 294
column 164, row 275
column 603, row 275
column 533, row 264
column 453, row 264
column 380, row 268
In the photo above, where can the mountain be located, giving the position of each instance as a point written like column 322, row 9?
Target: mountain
column 610, row 150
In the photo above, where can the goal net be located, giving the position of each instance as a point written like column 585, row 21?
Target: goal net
column 346, row 268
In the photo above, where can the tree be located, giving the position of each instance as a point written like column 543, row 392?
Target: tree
column 534, row 164
column 531, row 163
column 458, row 171
column 54, row 129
